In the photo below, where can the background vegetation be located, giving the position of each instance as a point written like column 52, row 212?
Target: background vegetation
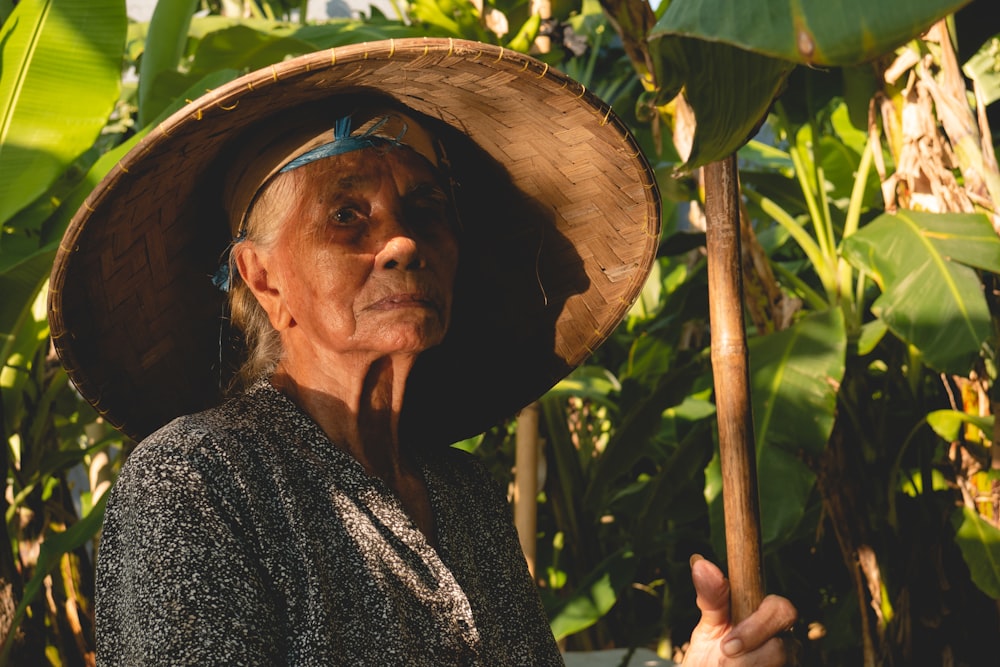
column 870, row 191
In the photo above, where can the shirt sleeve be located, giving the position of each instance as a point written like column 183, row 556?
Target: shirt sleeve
column 177, row 582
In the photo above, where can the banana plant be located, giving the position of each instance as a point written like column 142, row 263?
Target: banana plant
column 59, row 84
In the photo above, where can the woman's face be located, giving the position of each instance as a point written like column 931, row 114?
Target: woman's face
column 365, row 259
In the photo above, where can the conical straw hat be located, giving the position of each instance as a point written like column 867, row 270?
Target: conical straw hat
column 560, row 215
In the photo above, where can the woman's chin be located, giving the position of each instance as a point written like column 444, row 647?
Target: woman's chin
column 414, row 338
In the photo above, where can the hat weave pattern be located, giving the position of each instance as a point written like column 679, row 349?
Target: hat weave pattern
column 563, row 208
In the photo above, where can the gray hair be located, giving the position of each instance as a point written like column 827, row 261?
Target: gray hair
column 269, row 211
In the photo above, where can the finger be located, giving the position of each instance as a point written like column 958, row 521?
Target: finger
column 712, row 589
column 772, row 653
column 774, row 616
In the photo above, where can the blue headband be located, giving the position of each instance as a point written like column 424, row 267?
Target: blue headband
column 343, row 142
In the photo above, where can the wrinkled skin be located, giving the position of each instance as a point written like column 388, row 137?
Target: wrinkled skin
column 358, row 282
column 716, row 642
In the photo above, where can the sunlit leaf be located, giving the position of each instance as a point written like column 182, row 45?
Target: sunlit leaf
column 594, row 383
column 979, row 541
column 816, row 32
column 931, row 298
column 948, row 424
column 28, row 331
column 984, row 69
column 593, row 597
column 871, row 334
column 729, row 89
column 165, row 44
column 795, row 376
column 58, row 84
column 52, row 550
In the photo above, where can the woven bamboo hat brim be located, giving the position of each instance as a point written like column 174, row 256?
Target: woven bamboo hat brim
column 559, row 208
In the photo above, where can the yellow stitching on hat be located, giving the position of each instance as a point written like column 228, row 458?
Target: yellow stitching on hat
column 607, row 116
column 392, row 47
column 160, row 128
column 198, row 113
column 333, row 56
column 366, row 50
column 426, row 46
column 225, row 108
column 545, row 71
column 250, row 86
column 479, row 54
column 86, row 205
column 583, row 89
column 122, row 167
column 627, row 139
column 525, row 66
column 646, row 228
column 274, row 73
column 451, row 46
column 500, row 56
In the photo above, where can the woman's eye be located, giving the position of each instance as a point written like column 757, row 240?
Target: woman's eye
column 346, row 215
column 429, row 208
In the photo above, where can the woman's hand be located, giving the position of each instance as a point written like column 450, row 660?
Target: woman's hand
column 754, row 642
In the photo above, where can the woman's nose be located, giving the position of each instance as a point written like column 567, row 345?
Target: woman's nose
column 400, row 249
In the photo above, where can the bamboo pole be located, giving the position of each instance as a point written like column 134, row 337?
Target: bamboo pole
column 526, row 483
column 732, row 387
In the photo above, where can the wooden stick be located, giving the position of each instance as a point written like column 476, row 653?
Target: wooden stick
column 732, row 387
column 526, row 482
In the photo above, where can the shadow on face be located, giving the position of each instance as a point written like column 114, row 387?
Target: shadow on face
column 516, row 271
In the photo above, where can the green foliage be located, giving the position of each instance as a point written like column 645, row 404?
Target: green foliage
column 861, row 397
column 979, row 541
column 794, row 378
column 732, row 58
column 809, row 32
column 594, row 596
column 931, row 296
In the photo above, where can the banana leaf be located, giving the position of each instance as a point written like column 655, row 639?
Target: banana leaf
column 794, row 378
column 53, row 548
column 594, row 596
column 809, row 32
column 931, row 297
column 979, row 541
column 984, row 69
column 58, row 85
column 729, row 89
column 166, row 41
column 732, row 58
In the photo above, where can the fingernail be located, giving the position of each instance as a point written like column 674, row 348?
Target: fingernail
column 695, row 558
column 732, row 647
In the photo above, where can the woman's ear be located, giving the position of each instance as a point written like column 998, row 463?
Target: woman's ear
column 253, row 263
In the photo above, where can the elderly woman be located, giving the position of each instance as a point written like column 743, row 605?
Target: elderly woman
column 386, row 234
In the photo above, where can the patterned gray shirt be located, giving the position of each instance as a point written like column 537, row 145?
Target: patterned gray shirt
column 243, row 536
